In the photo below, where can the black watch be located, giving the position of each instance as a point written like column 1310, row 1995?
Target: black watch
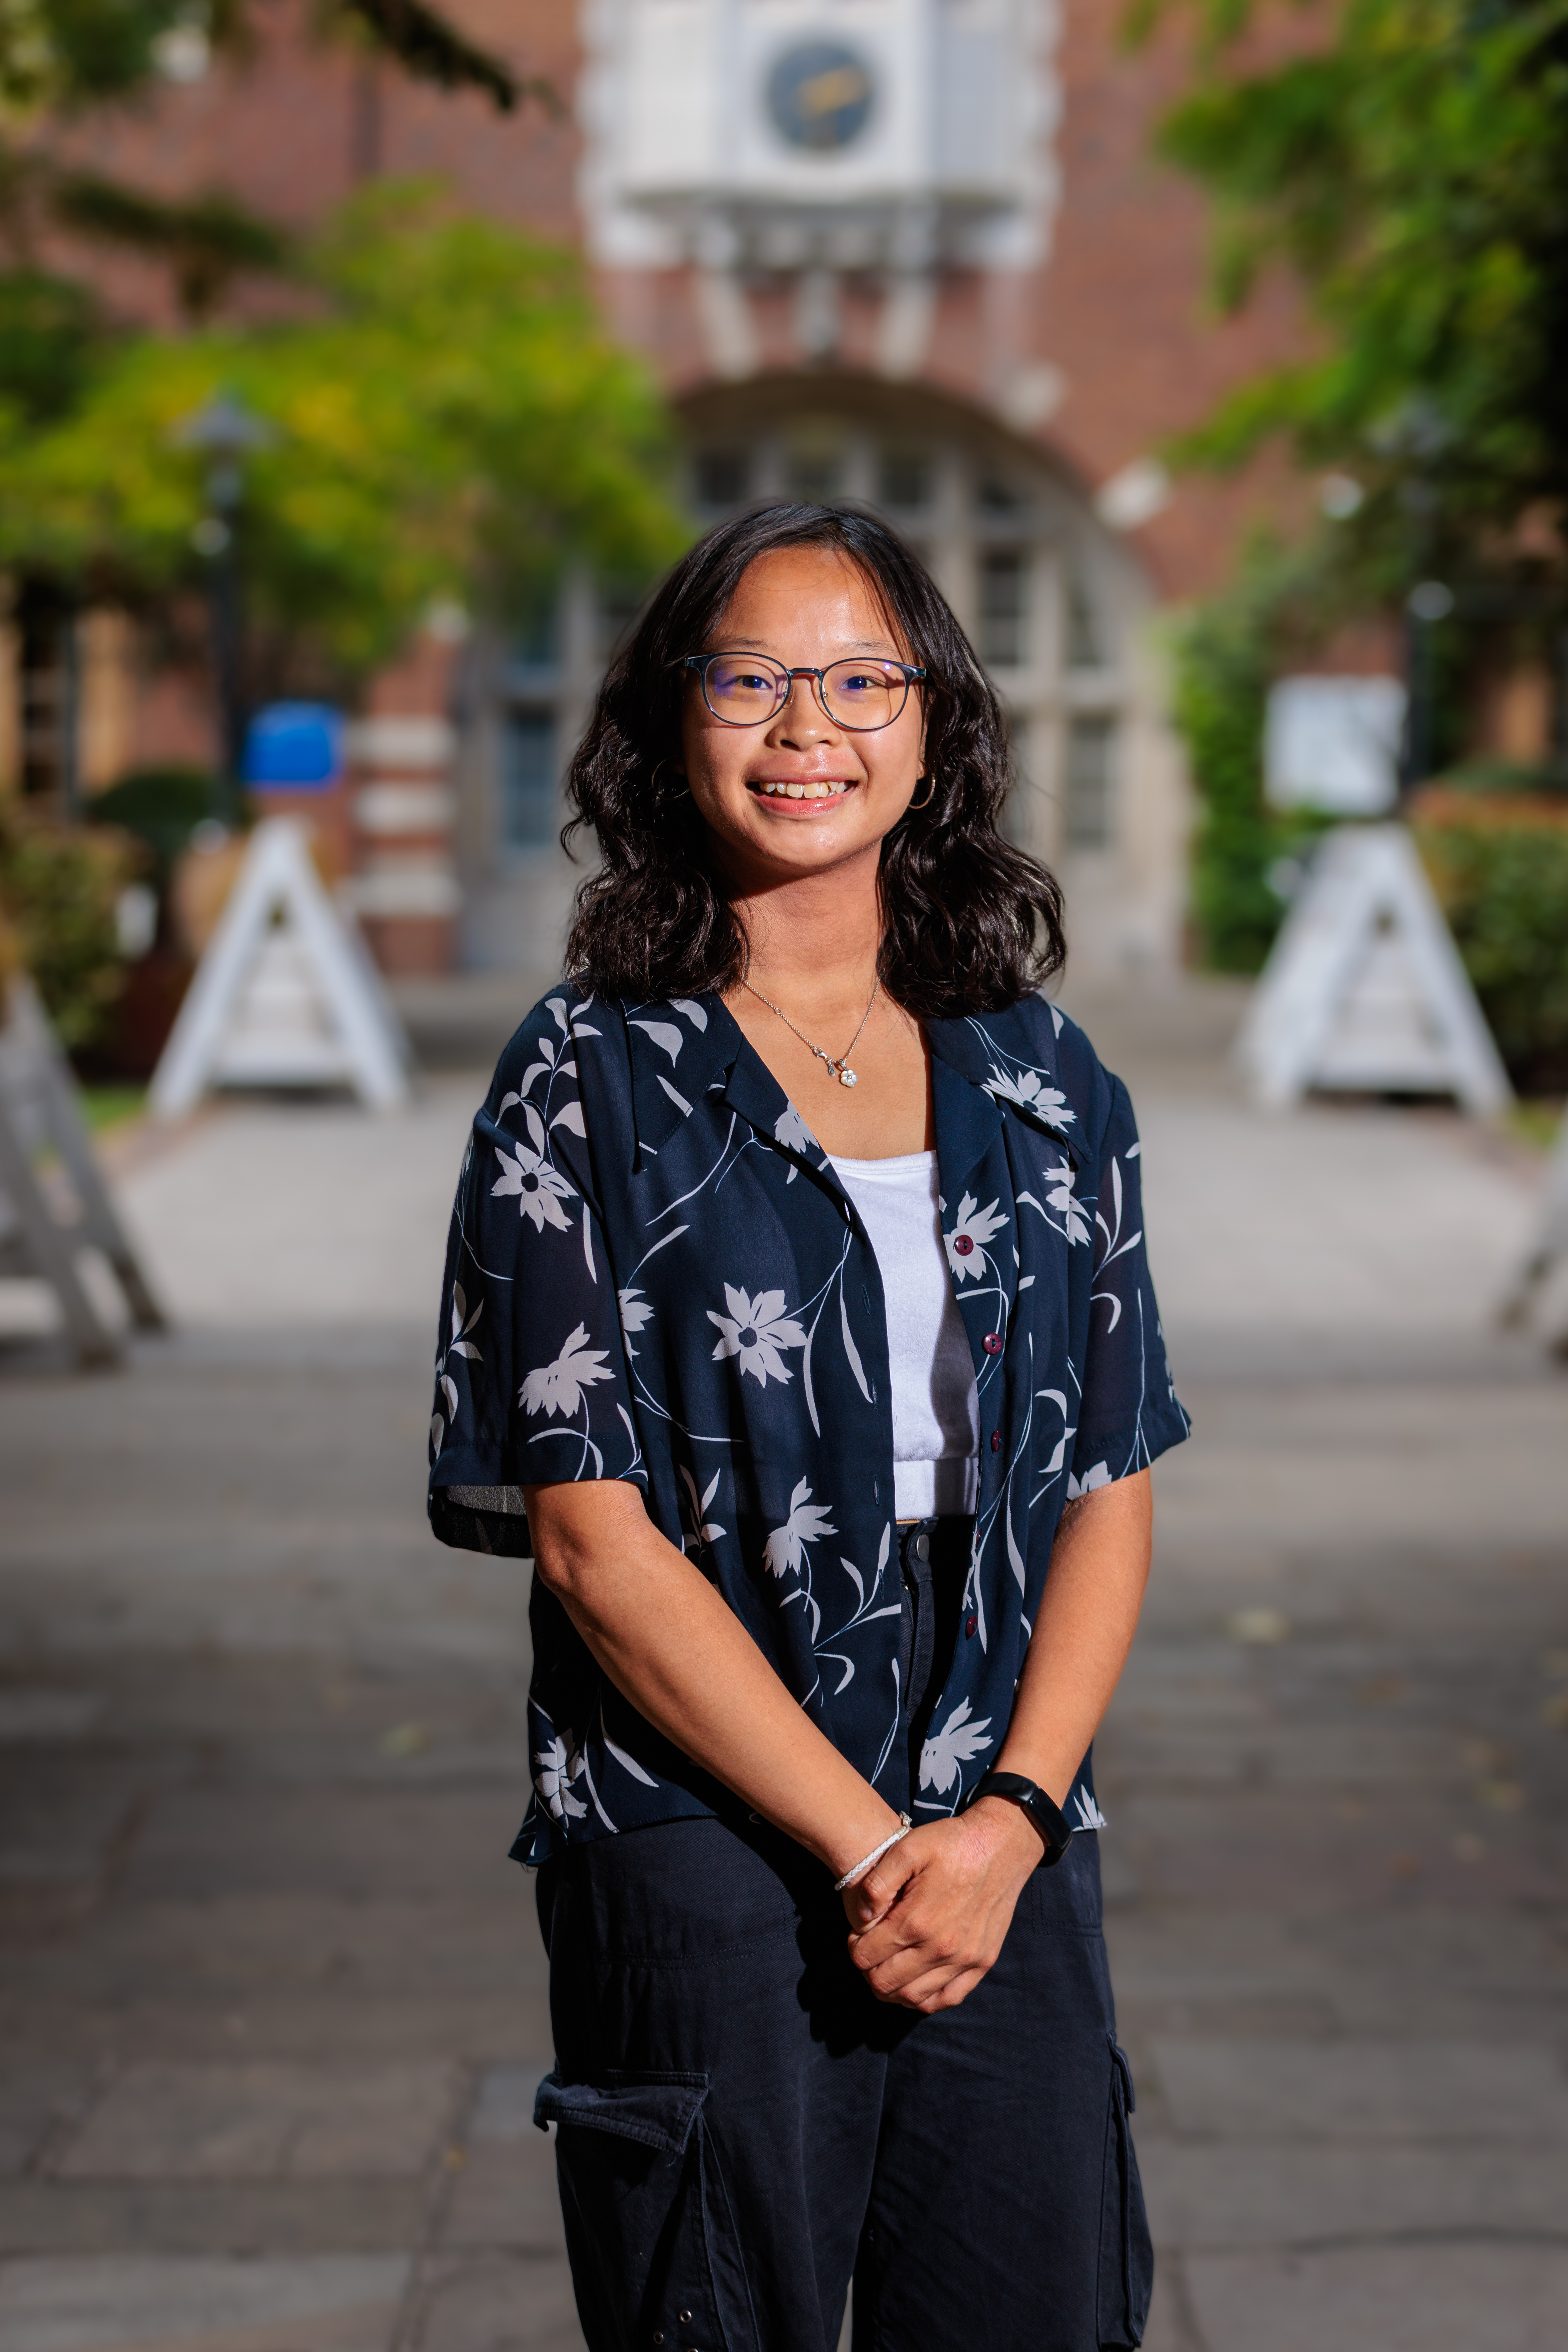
column 1049, row 1820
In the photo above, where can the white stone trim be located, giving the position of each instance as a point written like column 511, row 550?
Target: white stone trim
column 405, row 886
column 400, row 742
column 386, row 809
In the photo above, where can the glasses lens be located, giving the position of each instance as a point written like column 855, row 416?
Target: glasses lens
column 864, row 694
column 742, row 688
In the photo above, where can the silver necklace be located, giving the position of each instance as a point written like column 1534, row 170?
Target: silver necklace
column 839, row 1064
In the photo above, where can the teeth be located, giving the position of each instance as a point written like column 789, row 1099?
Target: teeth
column 809, row 792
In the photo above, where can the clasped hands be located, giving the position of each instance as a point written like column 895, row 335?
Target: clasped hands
column 928, row 1921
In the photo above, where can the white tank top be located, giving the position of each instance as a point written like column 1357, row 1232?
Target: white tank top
column 936, row 1407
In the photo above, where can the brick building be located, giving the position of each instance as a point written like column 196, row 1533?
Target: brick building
column 914, row 252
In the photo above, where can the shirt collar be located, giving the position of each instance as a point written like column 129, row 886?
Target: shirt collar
column 1009, row 1057
column 681, row 1049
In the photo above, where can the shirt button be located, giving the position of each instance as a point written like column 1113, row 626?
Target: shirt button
column 991, row 1343
column 995, row 1441
column 963, row 1244
column 971, row 1627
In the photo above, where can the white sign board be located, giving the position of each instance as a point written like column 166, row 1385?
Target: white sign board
column 1364, row 990
column 285, row 994
column 1333, row 743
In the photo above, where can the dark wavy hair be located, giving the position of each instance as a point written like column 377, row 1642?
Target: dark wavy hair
column 971, row 923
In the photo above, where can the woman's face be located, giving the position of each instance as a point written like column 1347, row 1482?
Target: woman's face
column 801, row 605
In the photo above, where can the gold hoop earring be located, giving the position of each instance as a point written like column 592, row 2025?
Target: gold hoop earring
column 931, row 787
column 684, row 793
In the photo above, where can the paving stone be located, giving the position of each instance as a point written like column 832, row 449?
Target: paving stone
column 1365, row 2090
column 1208, row 2197
column 499, row 2303
column 262, row 2120
column 46, row 2215
column 41, row 2094
column 1429, row 2297
column 324, row 2303
column 505, row 2195
column 503, row 2102
column 350, row 1842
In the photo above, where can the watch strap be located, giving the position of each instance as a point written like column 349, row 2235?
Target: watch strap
column 1048, row 1817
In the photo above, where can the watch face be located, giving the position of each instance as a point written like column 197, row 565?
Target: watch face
column 820, row 96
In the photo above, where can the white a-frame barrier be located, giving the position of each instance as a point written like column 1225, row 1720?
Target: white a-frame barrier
column 42, row 1234
column 1364, row 990
column 1550, row 1248
column 285, row 993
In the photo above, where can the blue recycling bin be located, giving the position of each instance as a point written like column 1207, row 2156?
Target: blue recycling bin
column 294, row 746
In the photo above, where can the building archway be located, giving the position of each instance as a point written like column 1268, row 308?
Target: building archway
column 1055, row 605
column 1057, row 608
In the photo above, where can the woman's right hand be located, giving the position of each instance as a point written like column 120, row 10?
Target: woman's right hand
column 931, row 1918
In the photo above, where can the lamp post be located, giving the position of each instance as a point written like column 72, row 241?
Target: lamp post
column 225, row 432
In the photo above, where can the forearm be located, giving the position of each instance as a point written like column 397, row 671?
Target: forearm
column 675, row 1649
column 1083, row 1632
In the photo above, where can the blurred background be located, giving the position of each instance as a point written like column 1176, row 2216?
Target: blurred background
column 361, row 368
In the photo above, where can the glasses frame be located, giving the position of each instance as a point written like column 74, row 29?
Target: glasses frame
column 699, row 662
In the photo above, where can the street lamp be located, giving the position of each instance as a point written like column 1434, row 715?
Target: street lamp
column 225, row 432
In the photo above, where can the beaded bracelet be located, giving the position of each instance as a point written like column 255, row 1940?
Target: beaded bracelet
column 853, row 1878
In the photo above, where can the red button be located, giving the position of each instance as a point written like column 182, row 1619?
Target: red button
column 971, row 1627
column 995, row 1441
column 962, row 1243
column 991, row 1343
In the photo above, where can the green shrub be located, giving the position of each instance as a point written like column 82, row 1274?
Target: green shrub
column 1504, row 887
column 162, row 807
column 1228, row 653
column 59, row 890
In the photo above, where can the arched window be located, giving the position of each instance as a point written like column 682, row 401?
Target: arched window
column 1054, row 604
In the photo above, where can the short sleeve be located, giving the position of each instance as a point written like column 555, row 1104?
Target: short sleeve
column 1129, row 1412
column 532, row 1382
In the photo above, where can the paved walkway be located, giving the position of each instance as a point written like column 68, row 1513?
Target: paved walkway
column 271, row 2006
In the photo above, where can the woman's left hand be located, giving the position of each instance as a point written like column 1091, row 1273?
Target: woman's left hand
column 932, row 1917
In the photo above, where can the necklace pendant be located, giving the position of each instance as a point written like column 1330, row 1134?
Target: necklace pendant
column 847, row 1078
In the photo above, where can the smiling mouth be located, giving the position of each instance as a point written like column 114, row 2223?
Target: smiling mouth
column 808, row 788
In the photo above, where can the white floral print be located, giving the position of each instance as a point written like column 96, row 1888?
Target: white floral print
column 1098, row 1477
column 1060, row 1197
column 704, row 1531
column 755, row 1330
column 636, row 1314
column 558, row 1387
column 459, row 1344
column 975, row 1229
column 806, row 1524
column 1090, row 1816
column 1031, row 1092
column 554, row 1770
column 539, row 1187
column 954, row 1743
column 792, row 1131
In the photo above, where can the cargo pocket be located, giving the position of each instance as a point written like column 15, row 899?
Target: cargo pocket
column 1126, row 2252
column 656, row 2256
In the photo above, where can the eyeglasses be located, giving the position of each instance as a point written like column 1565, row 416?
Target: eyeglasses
column 748, row 689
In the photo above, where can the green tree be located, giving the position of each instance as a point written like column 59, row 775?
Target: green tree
column 58, row 58
column 449, row 418
column 1412, row 171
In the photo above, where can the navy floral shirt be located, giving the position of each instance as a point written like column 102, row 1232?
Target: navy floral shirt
column 654, row 1275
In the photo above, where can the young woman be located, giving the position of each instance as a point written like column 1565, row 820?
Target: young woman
column 797, row 1320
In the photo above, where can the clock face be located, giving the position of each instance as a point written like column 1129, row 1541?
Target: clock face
column 820, row 96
